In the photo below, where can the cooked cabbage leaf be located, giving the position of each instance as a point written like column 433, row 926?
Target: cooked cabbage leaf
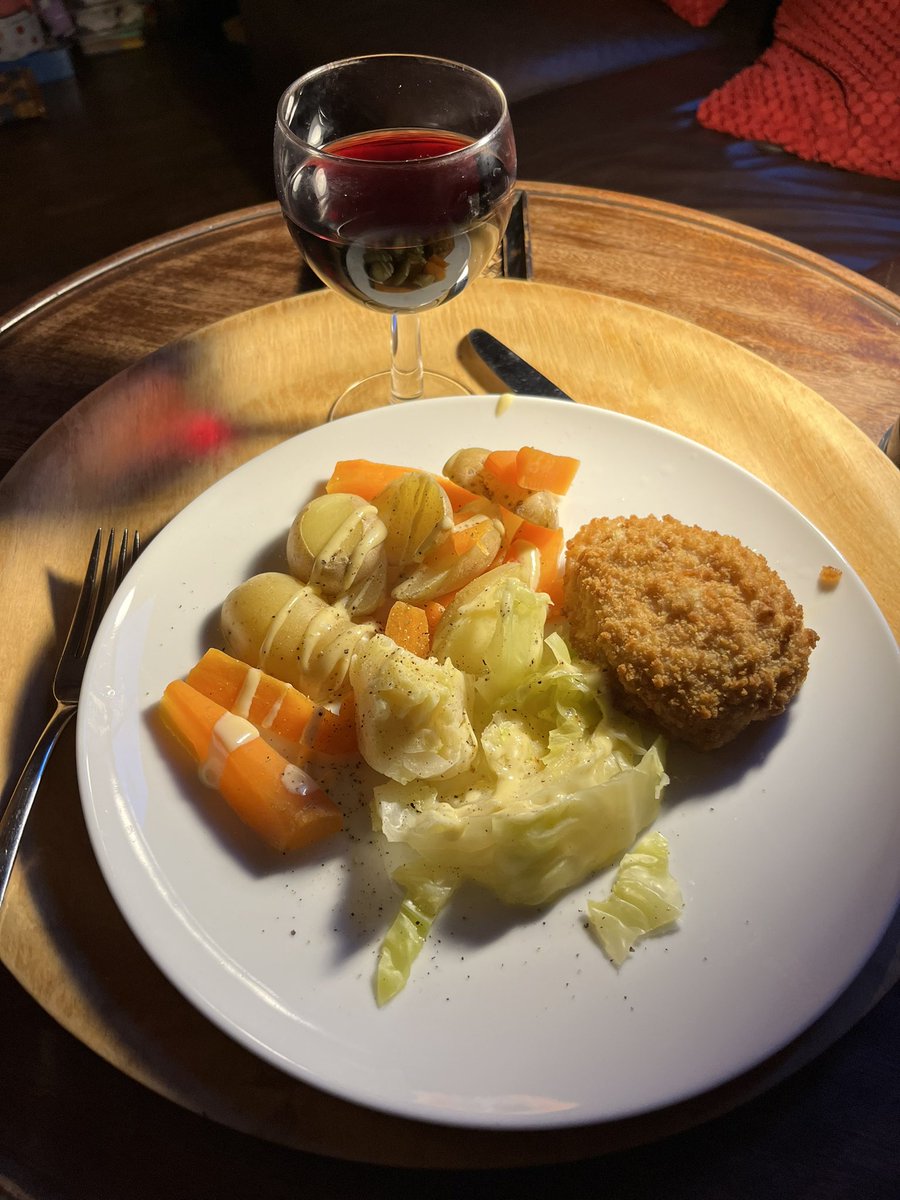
column 411, row 716
column 561, row 786
column 425, row 894
column 494, row 630
column 530, row 839
column 644, row 898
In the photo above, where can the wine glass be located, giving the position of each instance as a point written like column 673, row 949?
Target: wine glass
column 395, row 173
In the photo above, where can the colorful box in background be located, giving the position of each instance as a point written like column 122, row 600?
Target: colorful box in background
column 34, row 36
column 21, row 31
column 102, row 27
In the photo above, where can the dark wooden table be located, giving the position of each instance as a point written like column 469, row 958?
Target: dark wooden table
column 71, row 1125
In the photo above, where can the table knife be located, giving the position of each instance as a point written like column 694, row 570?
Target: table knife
column 512, row 370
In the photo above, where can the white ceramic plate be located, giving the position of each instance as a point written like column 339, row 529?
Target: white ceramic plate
column 786, row 844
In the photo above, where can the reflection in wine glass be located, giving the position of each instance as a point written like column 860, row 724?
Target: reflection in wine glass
column 395, row 173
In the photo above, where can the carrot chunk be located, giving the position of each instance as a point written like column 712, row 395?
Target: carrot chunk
column 268, row 703
column 549, row 544
column 503, row 465
column 434, row 610
column 408, row 626
column 359, row 477
column 512, row 523
column 464, row 539
column 541, row 471
column 274, row 798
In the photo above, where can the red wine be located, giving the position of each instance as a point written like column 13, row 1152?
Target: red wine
column 399, row 145
column 399, row 219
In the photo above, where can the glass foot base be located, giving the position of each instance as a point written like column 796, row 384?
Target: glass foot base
column 375, row 392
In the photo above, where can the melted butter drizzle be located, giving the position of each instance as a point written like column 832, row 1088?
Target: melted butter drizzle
column 275, row 626
column 322, row 643
column 295, row 779
column 272, row 715
column 247, row 693
column 229, row 732
column 351, row 542
column 243, row 703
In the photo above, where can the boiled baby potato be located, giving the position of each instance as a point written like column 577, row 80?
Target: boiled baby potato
column 444, row 570
column 416, row 514
column 287, row 630
column 466, row 468
column 337, row 545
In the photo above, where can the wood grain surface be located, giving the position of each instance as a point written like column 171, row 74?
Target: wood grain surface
column 144, row 442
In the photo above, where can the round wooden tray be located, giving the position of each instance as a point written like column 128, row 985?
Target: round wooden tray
column 141, row 446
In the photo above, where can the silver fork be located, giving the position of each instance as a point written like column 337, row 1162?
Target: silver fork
column 96, row 593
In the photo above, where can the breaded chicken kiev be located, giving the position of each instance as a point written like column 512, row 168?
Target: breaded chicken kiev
column 702, row 637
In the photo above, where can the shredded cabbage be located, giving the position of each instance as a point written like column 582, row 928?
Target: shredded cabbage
column 644, row 898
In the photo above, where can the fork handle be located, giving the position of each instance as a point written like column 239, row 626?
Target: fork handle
column 12, row 823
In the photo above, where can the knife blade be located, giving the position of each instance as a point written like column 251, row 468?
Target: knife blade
column 511, row 369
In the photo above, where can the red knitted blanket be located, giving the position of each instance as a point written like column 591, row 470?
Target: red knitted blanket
column 827, row 89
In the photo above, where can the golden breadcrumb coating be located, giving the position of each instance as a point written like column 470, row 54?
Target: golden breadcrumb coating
column 829, row 578
column 701, row 635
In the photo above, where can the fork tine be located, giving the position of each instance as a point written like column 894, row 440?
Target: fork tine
column 102, row 594
column 127, row 555
column 81, row 619
column 123, row 562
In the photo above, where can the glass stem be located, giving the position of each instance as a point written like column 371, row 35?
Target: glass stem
column 407, row 382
